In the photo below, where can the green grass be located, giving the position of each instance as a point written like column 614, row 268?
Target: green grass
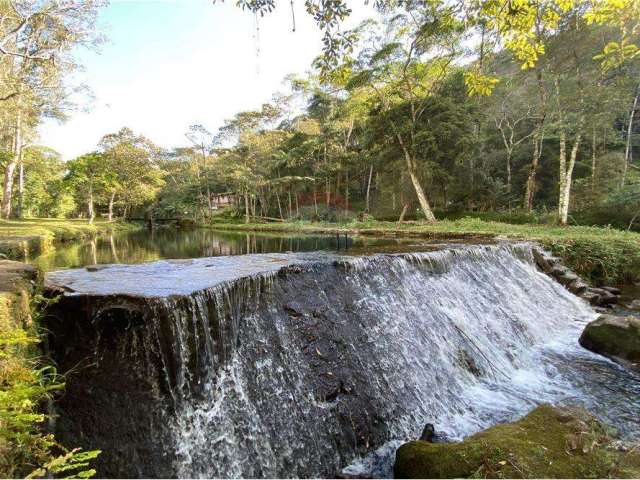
column 602, row 255
column 21, row 239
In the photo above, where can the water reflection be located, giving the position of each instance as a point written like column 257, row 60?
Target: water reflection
column 144, row 246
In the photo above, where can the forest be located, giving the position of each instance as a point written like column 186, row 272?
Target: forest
column 428, row 113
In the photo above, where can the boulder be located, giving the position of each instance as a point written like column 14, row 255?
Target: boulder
column 614, row 337
column 606, row 297
column 549, row 442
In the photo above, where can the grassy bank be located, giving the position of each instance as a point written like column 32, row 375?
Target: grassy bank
column 22, row 239
column 603, row 255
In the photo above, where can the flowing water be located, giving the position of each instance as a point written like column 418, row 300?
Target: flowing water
column 329, row 363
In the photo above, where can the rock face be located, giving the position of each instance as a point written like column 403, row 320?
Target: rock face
column 550, row 442
column 552, row 266
column 614, row 337
column 268, row 366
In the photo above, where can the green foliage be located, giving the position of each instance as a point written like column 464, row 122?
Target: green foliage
column 28, row 383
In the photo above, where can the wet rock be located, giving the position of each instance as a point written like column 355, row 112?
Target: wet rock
column 567, row 278
column 544, row 260
column 613, row 290
column 615, row 337
column 634, row 304
column 577, row 287
column 606, row 297
column 428, row 433
column 591, row 297
column 549, row 442
column 466, row 361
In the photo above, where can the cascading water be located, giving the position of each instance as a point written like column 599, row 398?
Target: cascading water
column 304, row 369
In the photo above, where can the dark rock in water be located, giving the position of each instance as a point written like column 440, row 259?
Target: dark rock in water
column 550, row 442
column 614, row 290
column 428, row 433
column 577, row 287
column 567, row 277
column 634, row 305
column 614, row 337
column 606, row 297
column 468, row 363
column 591, row 297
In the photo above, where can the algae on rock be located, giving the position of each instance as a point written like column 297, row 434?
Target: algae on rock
column 549, row 442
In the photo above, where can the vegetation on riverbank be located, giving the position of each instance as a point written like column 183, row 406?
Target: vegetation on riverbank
column 602, row 255
column 22, row 239
column 28, row 383
column 550, row 442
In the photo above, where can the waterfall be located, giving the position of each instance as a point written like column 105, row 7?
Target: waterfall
column 302, row 370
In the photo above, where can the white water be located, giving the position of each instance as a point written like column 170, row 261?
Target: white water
column 462, row 338
column 418, row 314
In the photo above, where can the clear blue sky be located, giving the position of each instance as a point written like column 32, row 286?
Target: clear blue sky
column 169, row 64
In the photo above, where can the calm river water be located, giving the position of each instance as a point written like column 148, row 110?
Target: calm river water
column 167, row 243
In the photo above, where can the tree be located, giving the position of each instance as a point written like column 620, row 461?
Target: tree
column 403, row 82
column 36, row 43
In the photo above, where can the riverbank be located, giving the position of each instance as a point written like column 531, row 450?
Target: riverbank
column 27, row 238
column 602, row 255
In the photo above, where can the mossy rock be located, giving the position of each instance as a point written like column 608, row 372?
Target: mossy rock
column 614, row 337
column 550, row 442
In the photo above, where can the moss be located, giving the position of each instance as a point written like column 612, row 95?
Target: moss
column 550, row 442
column 615, row 337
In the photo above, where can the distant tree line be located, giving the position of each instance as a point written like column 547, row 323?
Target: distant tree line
column 509, row 110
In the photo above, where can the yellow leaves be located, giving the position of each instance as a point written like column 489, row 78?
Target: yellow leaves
column 615, row 54
column 479, row 84
column 526, row 50
column 609, row 11
column 625, row 14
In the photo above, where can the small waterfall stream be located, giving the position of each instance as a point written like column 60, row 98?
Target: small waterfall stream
column 331, row 362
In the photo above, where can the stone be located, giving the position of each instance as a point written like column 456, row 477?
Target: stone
column 549, row 442
column 591, row 297
column 606, row 297
column 577, row 287
column 634, row 305
column 428, row 433
column 613, row 290
column 567, row 277
column 615, row 337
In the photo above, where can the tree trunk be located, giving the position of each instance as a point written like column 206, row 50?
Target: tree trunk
column 538, row 139
column 405, row 207
column 7, row 190
column 422, row 198
column 20, row 212
column 90, row 209
column 562, row 179
column 627, row 151
column 279, row 205
column 111, row 200
column 568, row 179
column 593, row 163
column 508, row 170
column 346, row 191
column 328, row 192
column 247, row 215
column 368, row 197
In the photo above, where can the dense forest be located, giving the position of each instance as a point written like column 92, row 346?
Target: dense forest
column 428, row 116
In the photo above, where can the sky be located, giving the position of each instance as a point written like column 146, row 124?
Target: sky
column 170, row 64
